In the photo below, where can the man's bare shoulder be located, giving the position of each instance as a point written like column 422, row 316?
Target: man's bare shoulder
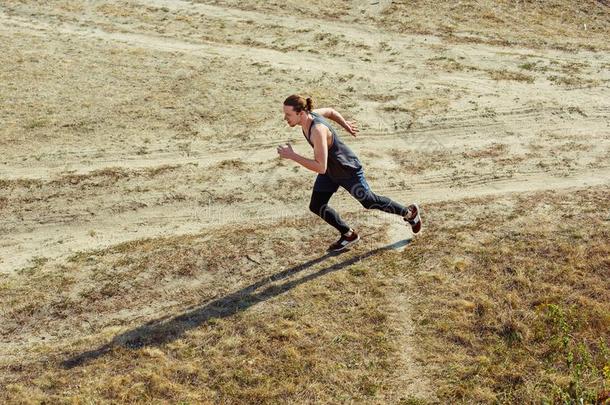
column 318, row 129
column 319, row 133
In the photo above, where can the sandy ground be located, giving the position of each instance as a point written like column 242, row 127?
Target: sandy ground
column 81, row 95
column 127, row 120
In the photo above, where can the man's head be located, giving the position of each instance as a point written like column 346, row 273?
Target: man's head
column 296, row 109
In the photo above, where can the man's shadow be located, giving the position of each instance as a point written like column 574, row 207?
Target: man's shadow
column 167, row 329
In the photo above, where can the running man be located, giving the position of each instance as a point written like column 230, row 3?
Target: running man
column 336, row 165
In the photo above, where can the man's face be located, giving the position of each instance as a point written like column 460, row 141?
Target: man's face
column 290, row 116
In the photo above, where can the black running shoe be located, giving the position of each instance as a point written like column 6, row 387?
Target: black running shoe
column 344, row 242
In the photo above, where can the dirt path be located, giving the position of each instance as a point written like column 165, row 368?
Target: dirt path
column 513, row 124
column 58, row 236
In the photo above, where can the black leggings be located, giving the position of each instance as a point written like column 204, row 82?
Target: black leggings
column 369, row 200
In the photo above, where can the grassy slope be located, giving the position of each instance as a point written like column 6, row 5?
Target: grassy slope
column 513, row 305
column 510, row 306
column 533, row 23
column 223, row 331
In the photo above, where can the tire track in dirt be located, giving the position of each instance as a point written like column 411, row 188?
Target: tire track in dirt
column 368, row 34
column 446, row 126
column 278, row 59
column 424, row 184
column 62, row 239
column 392, row 73
column 444, row 132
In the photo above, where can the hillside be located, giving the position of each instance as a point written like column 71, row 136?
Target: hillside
column 155, row 249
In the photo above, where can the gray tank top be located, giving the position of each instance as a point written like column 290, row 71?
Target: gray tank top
column 342, row 161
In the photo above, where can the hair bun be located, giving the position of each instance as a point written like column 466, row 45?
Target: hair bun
column 298, row 103
column 309, row 102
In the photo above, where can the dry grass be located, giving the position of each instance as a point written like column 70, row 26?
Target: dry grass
column 433, row 156
column 447, row 64
column 571, row 81
column 511, row 294
column 419, row 161
column 232, row 322
column 180, row 105
column 508, row 75
column 145, row 186
column 513, row 304
column 493, row 150
column 231, row 164
column 538, row 23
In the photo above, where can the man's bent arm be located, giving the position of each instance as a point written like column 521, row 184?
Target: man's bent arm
column 338, row 118
column 320, row 151
column 310, row 164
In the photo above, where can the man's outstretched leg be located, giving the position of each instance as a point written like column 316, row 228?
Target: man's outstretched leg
column 360, row 190
column 319, row 206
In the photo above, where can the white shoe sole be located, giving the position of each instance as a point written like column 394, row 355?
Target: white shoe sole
column 348, row 244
